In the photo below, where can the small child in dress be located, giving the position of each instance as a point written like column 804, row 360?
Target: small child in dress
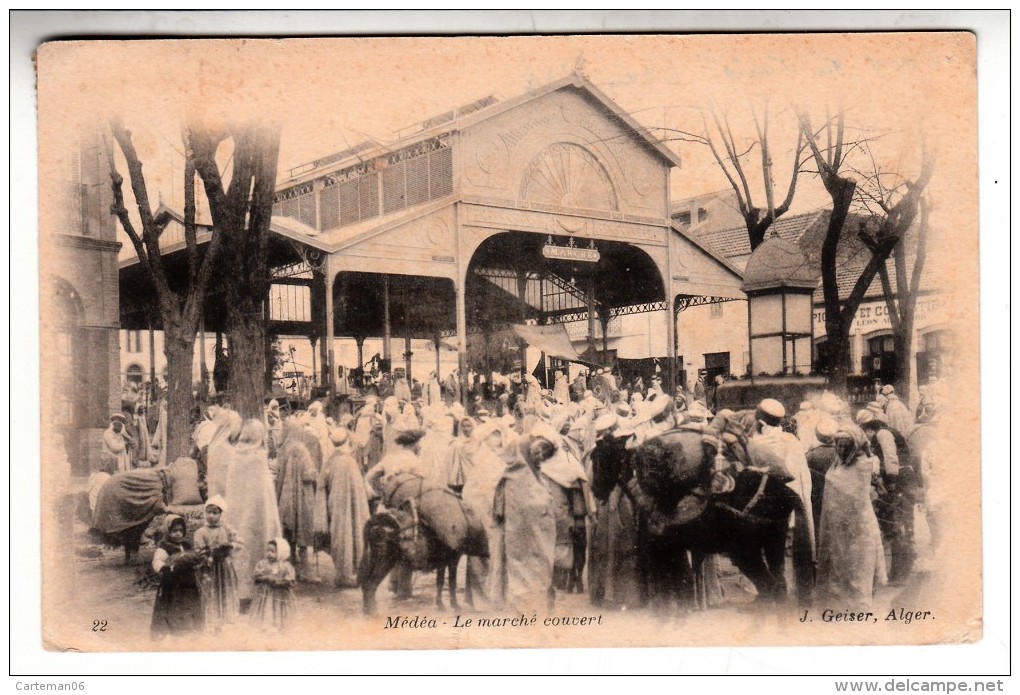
column 274, row 581
column 178, row 606
column 217, row 541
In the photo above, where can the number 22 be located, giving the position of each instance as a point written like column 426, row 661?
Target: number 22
column 99, row 626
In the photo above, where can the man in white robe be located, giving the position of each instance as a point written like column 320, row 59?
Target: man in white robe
column 116, row 446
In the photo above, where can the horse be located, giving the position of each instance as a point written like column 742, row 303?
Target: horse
column 425, row 528
column 685, row 506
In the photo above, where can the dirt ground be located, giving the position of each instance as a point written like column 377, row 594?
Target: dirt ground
column 108, row 607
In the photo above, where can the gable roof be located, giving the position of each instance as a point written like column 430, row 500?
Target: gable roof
column 582, row 84
column 460, row 119
column 680, row 230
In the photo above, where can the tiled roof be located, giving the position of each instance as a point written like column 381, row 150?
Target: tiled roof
column 733, row 243
column 808, row 231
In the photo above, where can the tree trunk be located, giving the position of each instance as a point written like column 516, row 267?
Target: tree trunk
column 247, row 356
column 179, row 349
column 839, row 363
column 837, row 331
column 904, row 341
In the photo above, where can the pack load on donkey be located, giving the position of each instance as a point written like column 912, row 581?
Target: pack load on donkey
column 424, row 527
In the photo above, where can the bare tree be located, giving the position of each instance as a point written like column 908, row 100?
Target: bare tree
column 894, row 211
column 718, row 136
column 241, row 212
column 902, row 304
column 179, row 308
column 757, row 219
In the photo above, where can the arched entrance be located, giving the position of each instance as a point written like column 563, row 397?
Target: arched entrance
column 518, row 277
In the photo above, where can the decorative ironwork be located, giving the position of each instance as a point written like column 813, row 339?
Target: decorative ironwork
column 296, row 269
column 568, row 318
column 614, row 312
column 418, row 149
column 686, row 301
column 453, row 115
column 642, row 308
column 506, row 280
column 295, row 192
column 313, row 258
column 358, row 170
column 563, row 297
column 566, row 296
column 331, row 159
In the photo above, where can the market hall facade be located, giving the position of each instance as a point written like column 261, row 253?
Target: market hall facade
column 550, row 207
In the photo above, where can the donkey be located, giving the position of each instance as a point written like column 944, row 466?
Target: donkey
column 425, row 529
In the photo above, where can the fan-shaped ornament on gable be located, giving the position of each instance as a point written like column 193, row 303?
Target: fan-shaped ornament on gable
column 569, row 176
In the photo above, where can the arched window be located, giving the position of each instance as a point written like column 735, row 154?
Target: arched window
column 133, row 374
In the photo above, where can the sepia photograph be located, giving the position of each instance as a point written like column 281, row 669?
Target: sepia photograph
column 580, row 340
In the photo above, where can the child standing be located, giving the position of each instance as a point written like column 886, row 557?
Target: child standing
column 217, row 541
column 274, row 580
column 178, row 606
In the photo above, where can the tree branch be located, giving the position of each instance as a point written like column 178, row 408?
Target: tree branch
column 741, row 203
column 824, row 170
column 766, row 161
column 190, row 233
column 837, row 159
column 150, row 257
column 118, row 207
column 867, row 276
column 793, row 178
column 874, row 167
column 203, row 151
column 727, row 138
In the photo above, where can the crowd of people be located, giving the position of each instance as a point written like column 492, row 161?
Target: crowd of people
column 276, row 489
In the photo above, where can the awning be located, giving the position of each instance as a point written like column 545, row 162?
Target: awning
column 551, row 339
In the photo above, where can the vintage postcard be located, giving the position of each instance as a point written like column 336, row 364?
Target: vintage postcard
column 509, row 342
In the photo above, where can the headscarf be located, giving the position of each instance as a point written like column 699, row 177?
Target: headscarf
column 216, row 501
column 369, row 407
column 168, row 521
column 460, row 426
column 483, row 431
column 228, row 426
column 826, row 430
column 340, row 436
column 849, row 444
column 282, row 549
column 253, row 433
column 391, row 407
